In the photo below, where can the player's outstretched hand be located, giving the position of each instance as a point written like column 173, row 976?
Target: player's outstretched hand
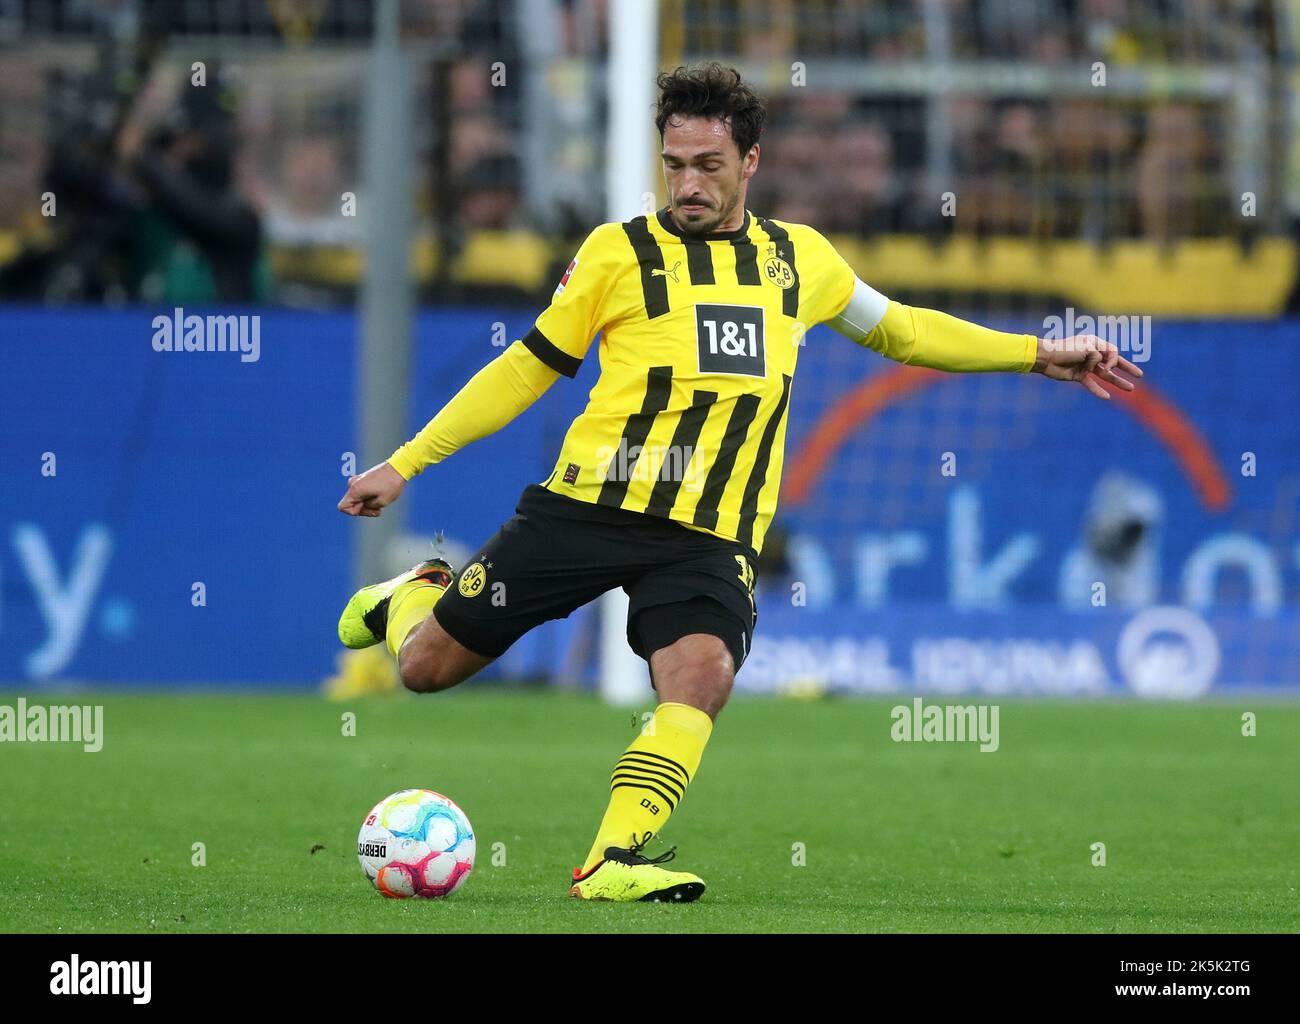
column 1087, row 359
column 372, row 491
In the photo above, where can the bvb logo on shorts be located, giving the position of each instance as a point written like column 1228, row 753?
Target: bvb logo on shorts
column 746, row 576
column 778, row 272
column 472, row 580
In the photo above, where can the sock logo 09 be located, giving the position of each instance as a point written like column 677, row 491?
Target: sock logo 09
column 650, row 778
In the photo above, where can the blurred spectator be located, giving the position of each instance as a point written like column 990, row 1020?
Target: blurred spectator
column 143, row 210
column 1005, row 169
column 491, row 194
column 1176, row 192
column 81, row 250
column 159, row 192
column 199, row 238
column 306, row 209
column 870, row 199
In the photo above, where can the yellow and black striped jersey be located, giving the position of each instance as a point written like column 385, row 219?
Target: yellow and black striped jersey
column 699, row 338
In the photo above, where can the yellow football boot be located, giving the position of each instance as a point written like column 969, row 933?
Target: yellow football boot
column 365, row 618
column 624, row 876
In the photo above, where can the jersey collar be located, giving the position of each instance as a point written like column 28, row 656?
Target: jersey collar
column 666, row 222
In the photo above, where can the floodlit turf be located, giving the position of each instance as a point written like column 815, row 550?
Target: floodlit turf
column 1201, row 824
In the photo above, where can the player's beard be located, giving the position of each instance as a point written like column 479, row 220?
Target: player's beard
column 707, row 227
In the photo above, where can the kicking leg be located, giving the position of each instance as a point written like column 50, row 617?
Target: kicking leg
column 538, row 566
column 430, row 660
column 398, row 612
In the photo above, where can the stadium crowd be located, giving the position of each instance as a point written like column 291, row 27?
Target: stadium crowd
column 272, row 157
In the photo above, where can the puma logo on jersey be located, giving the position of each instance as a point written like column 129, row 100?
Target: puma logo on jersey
column 656, row 272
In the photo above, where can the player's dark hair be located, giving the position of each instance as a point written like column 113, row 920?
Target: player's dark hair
column 710, row 90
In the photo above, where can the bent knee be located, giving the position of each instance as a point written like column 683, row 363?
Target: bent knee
column 715, row 679
column 711, row 664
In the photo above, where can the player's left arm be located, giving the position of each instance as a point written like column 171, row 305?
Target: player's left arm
column 927, row 337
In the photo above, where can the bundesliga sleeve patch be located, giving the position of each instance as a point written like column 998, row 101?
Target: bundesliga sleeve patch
column 568, row 273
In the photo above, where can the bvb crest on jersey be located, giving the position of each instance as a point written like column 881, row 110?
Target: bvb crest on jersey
column 778, row 271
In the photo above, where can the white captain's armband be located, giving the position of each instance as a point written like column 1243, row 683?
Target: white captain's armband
column 865, row 310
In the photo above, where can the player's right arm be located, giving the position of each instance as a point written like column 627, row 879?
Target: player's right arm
column 505, row 387
column 489, row 400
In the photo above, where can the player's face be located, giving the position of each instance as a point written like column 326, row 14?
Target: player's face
column 706, row 175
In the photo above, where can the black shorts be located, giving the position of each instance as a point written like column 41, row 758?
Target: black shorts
column 557, row 553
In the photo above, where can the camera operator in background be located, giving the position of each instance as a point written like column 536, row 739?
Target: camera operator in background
column 78, row 247
column 147, row 207
column 198, row 239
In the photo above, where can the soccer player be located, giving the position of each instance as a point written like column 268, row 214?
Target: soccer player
column 667, row 481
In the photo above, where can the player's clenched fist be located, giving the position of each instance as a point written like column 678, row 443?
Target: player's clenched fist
column 369, row 493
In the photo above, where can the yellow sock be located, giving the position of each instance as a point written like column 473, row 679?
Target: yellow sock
column 410, row 605
column 651, row 777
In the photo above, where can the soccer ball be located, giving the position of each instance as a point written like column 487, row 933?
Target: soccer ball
column 416, row 843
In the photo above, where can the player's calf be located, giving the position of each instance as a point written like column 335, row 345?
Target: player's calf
column 430, row 660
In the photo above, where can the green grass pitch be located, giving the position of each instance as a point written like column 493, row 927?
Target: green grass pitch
column 1201, row 824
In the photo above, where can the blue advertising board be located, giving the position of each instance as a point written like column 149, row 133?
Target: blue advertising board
column 170, row 515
